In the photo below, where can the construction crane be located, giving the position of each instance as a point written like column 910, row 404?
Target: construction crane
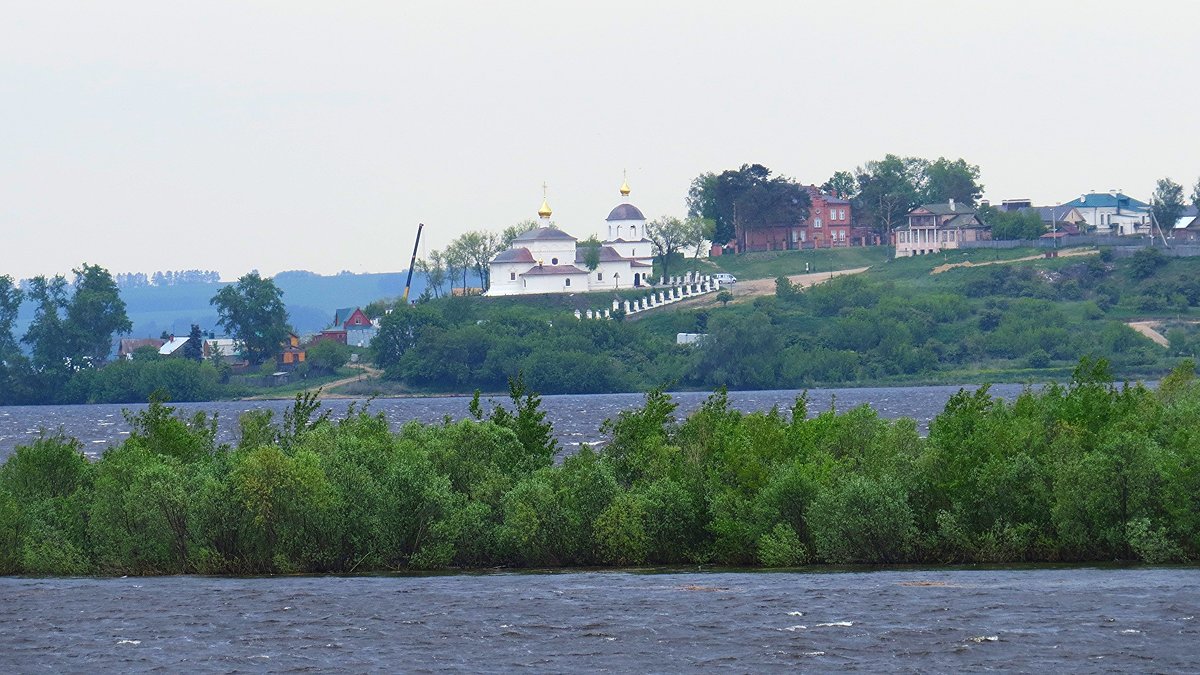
column 412, row 263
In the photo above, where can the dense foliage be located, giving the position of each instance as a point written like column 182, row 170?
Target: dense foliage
column 1085, row 471
column 900, row 324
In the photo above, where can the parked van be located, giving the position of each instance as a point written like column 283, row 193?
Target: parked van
column 724, row 279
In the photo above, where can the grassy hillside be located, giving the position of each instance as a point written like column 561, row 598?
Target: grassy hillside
column 1021, row 320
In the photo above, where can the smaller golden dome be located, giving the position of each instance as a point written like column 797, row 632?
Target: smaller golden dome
column 624, row 188
column 544, row 211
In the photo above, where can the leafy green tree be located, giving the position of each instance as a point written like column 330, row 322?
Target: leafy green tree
column 47, row 334
column 842, row 184
column 1145, row 262
column 96, row 312
column 511, row 232
column 951, row 179
column 1024, row 224
column 400, row 331
column 477, row 250
column 11, row 359
column 591, row 252
column 888, row 189
column 670, row 235
column 1167, row 203
column 724, row 297
column 10, row 304
column 434, row 269
column 1196, row 196
column 746, row 197
column 327, row 355
column 253, row 313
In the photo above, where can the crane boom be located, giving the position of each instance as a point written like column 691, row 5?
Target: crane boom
column 412, row 263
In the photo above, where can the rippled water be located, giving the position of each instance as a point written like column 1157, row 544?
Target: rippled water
column 1050, row 620
column 576, row 418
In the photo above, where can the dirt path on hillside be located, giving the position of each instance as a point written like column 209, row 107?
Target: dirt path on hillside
column 1150, row 330
column 1063, row 253
column 744, row 291
column 367, row 372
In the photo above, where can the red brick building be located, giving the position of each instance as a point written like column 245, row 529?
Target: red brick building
column 828, row 226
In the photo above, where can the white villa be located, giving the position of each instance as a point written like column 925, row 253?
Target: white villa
column 547, row 260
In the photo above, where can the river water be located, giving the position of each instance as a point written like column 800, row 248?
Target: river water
column 576, row 418
column 1027, row 620
column 1023, row 620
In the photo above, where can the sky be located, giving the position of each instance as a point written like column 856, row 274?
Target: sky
column 275, row 136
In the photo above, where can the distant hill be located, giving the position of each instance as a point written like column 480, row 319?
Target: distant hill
column 311, row 300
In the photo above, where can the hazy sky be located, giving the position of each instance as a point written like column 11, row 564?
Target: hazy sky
column 315, row 135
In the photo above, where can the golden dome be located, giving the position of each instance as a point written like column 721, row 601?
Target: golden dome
column 624, row 188
column 544, row 211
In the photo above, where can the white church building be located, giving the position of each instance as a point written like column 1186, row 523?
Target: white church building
column 547, row 260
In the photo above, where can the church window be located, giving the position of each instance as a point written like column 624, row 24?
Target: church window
column 568, row 282
column 554, row 261
column 817, row 222
column 633, row 231
column 512, row 276
column 599, row 276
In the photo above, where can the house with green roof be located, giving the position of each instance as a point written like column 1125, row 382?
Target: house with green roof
column 935, row 227
column 1113, row 212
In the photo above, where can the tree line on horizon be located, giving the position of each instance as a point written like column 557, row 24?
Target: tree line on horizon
column 882, row 192
column 64, row 355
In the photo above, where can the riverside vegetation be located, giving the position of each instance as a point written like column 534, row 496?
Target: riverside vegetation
column 1085, row 471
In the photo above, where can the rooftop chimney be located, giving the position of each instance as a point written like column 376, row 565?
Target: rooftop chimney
column 952, row 203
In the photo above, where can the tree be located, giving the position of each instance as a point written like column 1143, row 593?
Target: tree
column 1167, row 203
column 10, row 303
column 841, row 184
column 891, row 187
column 434, row 270
column 724, row 297
column 591, row 252
column 747, row 197
column 669, row 235
column 477, row 250
column 96, row 312
column 252, row 312
column 399, row 332
column 47, row 335
column 193, row 349
column 1196, row 196
column 511, row 232
column 945, row 180
column 328, row 355
column 887, row 190
column 1023, row 224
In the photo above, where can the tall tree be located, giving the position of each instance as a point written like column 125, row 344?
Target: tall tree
column 10, row 304
column 1167, row 203
column 477, row 250
column 434, row 269
column 841, row 184
column 746, row 198
column 194, row 348
column 47, row 334
column 96, row 312
column 887, row 190
column 946, row 179
column 1196, row 196
column 670, row 235
column 252, row 312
